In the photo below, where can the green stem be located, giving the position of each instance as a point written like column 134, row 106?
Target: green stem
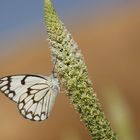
column 74, row 76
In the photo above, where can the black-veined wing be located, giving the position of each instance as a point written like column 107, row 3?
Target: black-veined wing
column 34, row 94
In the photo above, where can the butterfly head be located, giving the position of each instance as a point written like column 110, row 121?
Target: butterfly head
column 55, row 81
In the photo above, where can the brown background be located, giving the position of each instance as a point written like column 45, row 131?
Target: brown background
column 111, row 47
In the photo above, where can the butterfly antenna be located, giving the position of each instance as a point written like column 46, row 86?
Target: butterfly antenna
column 53, row 70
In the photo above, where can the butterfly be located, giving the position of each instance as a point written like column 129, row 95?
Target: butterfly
column 34, row 94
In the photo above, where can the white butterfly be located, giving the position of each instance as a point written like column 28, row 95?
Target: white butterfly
column 34, row 94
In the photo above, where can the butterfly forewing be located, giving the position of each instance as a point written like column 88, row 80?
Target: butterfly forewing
column 34, row 94
column 15, row 86
column 11, row 86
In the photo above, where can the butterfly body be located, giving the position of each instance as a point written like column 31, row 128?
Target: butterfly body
column 34, row 94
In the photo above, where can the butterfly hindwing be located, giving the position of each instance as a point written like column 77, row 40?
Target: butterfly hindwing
column 34, row 94
column 35, row 104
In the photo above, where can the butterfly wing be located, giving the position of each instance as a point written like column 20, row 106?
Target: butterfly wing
column 37, row 102
column 34, row 94
column 14, row 86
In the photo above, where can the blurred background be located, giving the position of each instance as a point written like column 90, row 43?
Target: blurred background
column 107, row 32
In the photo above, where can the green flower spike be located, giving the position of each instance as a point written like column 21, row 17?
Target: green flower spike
column 72, row 70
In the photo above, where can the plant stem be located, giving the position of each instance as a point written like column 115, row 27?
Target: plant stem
column 73, row 74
